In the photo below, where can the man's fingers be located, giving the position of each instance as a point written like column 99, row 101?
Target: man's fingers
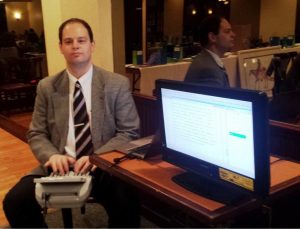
column 82, row 165
column 65, row 165
column 54, row 168
column 71, row 160
column 60, row 163
column 94, row 168
column 47, row 164
column 86, row 167
column 60, row 168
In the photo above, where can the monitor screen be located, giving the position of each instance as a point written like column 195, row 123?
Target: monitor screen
column 216, row 133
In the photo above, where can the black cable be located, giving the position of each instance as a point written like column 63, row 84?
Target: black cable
column 118, row 160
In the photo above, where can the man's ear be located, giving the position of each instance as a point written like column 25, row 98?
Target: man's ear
column 212, row 37
column 93, row 46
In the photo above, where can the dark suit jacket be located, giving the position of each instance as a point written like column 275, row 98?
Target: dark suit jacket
column 114, row 118
column 205, row 70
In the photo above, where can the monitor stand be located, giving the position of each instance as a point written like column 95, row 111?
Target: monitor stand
column 211, row 189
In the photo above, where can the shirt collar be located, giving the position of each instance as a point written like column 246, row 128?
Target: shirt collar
column 83, row 79
column 216, row 58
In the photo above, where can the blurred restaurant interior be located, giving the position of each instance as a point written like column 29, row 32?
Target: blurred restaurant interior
column 149, row 24
column 137, row 30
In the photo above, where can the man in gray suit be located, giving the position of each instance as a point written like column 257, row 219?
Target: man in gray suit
column 216, row 38
column 112, row 119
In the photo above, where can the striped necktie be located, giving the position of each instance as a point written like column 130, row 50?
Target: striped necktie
column 83, row 137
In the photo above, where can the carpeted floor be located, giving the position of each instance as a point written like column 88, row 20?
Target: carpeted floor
column 94, row 217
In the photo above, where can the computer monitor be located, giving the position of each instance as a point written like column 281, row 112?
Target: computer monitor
column 219, row 136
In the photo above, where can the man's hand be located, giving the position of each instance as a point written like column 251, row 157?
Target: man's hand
column 60, row 163
column 82, row 165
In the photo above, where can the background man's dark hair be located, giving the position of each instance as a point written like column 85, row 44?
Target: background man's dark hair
column 75, row 20
column 207, row 25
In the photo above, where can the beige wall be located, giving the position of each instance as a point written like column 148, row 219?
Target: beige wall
column 244, row 13
column 52, row 19
column 277, row 18
column 18, row 25
column 36, row 16
column 98, row 13
column 34, row 19
column 244, row 24
column 118, row 36
column 173, row 17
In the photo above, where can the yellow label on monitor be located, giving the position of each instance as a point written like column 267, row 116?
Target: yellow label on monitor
column 237, row 179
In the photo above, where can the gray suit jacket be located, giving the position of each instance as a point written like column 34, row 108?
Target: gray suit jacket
column 114, row 118
column 205, row 70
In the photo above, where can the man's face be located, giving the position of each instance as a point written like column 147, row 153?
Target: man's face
column 224, row 41
column 76, row 45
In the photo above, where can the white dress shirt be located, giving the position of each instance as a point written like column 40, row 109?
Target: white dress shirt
column 86, row 85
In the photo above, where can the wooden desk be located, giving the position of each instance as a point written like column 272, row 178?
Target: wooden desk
column 154, row 177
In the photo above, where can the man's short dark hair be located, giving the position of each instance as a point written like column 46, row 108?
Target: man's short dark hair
column 75, row 20
column 207, row 25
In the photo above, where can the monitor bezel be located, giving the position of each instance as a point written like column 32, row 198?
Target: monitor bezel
column 260, row 128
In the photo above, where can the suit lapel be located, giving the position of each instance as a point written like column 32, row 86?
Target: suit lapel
column 98, row 107
column 61, row 106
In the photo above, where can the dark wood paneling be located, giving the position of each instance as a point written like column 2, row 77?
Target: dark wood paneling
column 285, row 139
column 285, row 125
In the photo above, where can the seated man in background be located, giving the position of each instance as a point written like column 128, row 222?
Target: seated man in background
column 103, row 104
column 216, row 38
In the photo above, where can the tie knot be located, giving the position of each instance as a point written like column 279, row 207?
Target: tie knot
column 77, row 84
